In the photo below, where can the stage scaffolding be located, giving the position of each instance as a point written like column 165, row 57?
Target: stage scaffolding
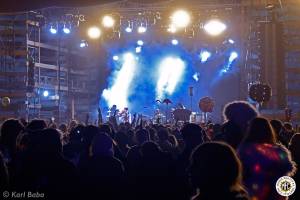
column 31, row 63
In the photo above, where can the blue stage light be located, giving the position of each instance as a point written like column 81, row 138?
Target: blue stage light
column 45, row 93
column 204, row 56
column 83, row 44
column 196, row 77
column 118, row 93
column 66, row 30
column 231, row 41
column 170, row 72
column 115, row 58
column 175, row 42
column 140, row 42
column 142, row 29
column 138, row 49
column 128, row 29
column 53, row 30
column 233, row 56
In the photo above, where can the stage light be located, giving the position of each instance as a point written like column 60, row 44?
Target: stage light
column 196, row 77
column 140, row 42
column 223, row 71
column 120, row 90
column 53, row 30
column 66, row 30
column 170, row 72
column 128, row 29
column 175, row 42
column 172, row 29
column 115, row 58
column 108, row 21
column 142, row 29
column 83, row 44
column 231, row 41
column 94, row 32
column 128, row 57
column 180, row 19
column 204, row 56
column 138, row 49
column 215, row 27
column 233, row 56
column 45, row 93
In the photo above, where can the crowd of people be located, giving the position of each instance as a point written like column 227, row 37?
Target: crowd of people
column 240, row 159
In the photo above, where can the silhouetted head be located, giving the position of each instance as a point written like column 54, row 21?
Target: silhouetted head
column 294, row 147
column 150, row 150
column 89, row 134
column 215, row 166
column 163, row 134
column 76, row 134
column 10, row 129
column 102, row 145
column 49, row 142
column 260, row 131
column 105, row 128
column 121, row 138
column 240, row 112
column 72, row 125
column 277, row 126
column 153, row 134
column 232, row 134
column 288, row 127
column 192, row 134
column 63, row 128
column 141, row 136
column 36, row 125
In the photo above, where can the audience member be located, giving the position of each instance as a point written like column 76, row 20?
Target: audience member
column 294, row 147
column 102, row 174
column 141, row 160
column 260, row 153
column 10, row 130
column 216, row 172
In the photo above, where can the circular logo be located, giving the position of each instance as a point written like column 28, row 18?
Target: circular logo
column 285, row 186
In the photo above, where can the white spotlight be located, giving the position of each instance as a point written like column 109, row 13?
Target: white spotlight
column 175, row 42
column 180, row 19
column 215, row 27
column 138, row 49
column 66, row 30
column 108, row 21
column 170, row 72
column 196, row 77
column 53, row 30
column 204, row 56
column 83, row 44
column 128, row 57
column 128, row 29
column 140, row 42
column 234, row 55
column 94, row 32
column 119, row 92
column 142, row 29
column 115, row 58
column 45, row 93
column 231, row 41
column 172, row 29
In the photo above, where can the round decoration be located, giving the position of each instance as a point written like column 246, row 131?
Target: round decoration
column 260, row 93
column 5, row 101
